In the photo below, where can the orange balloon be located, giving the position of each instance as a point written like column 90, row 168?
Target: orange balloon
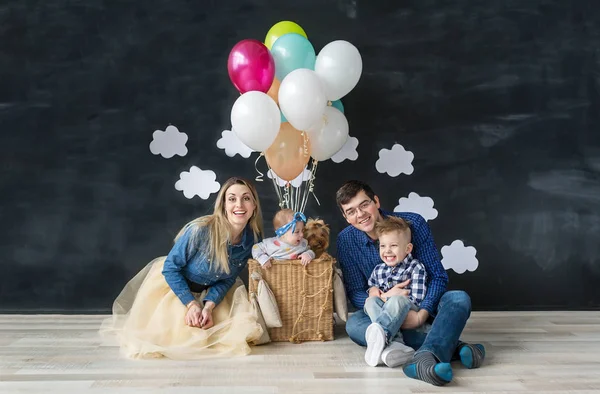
column 289, row 153
column 274, row 90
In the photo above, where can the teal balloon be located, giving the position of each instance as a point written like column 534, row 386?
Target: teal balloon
column 283, row 119
column 338, row 104
column 290, row 52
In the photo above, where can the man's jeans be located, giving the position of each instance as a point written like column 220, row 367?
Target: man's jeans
column 442, row 339
column 389, row 314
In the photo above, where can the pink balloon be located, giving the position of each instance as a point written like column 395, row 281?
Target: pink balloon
column 251, row 66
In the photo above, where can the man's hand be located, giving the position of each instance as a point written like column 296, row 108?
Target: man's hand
column 374, row 292
column 305, row 258
column 415, row 320
column 397, row 290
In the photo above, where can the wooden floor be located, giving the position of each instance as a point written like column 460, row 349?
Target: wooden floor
column 527, row 352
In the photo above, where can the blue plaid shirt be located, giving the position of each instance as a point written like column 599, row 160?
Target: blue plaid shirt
column 358, row 254
column 385, row 277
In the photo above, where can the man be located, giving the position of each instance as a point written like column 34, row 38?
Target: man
column 358, row 253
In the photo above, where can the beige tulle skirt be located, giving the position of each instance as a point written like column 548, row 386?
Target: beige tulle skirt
column 148, row 321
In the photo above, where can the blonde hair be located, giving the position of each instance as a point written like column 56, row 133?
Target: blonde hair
column 282, row 217
column 219, row 228
column 391, row 224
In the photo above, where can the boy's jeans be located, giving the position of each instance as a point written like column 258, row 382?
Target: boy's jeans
column 389, row 314
column 453, row 312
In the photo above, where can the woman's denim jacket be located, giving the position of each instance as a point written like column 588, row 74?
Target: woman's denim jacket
column 189, row 262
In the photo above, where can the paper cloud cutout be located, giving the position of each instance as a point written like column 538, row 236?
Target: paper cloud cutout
column 197, row 182
column 232, row 145
column 347, row 152
column 395, row 161
column 296, row 182
column 459, row 257
column 169, row 143
column 417, row 204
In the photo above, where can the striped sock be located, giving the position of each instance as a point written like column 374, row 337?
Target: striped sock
column 425, row 367
column 471, row 356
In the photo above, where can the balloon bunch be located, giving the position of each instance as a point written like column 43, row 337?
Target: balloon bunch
column 289, row 108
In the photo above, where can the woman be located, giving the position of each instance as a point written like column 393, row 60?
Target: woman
column 190, row 303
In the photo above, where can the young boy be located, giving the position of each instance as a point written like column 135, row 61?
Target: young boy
column 289, row 243
column 389, row 312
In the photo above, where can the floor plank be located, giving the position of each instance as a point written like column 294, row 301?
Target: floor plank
column 528, row 352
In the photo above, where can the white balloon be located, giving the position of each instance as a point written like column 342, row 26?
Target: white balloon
column 302, row 98
column 255, row 120
column 339, row 66
column 328, row 137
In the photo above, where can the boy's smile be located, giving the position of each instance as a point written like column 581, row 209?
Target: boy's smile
column 393, row 248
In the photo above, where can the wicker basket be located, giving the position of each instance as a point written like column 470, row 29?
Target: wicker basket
column 304, row 296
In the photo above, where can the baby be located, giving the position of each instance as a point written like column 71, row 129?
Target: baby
column 388, row 313
column 289, row 243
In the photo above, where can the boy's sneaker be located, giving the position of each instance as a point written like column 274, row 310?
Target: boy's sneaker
column 376, row 338
column 397, row 354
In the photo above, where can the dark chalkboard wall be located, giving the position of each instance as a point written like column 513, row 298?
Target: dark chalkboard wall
column 499, row 102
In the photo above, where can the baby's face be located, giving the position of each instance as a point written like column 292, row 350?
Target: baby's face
column 393, row 248
column 294, row 238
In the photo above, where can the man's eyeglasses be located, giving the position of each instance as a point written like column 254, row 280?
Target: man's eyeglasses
column 362, row 207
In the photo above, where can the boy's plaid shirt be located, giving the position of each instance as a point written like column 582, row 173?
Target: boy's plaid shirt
column 385, row 277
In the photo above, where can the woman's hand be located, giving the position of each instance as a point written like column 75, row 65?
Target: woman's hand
column 193, row 315
column 207, row 319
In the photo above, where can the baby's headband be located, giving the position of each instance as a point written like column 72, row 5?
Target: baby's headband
column 298, row 217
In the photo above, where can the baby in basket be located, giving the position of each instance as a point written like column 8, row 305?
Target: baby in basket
column 289, row 244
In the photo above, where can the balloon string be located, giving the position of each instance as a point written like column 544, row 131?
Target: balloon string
column 303, row 198
column 315, row 196
column 310, row 186
column 276, row 186
column 300, row 193
column 258, row 178
column 289, row 187
column 286, row 196
column 305, row 141
column 278, row 191
column 293, row 198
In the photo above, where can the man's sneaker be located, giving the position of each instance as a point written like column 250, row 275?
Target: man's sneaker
column 375, row 336
column 397, row 354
